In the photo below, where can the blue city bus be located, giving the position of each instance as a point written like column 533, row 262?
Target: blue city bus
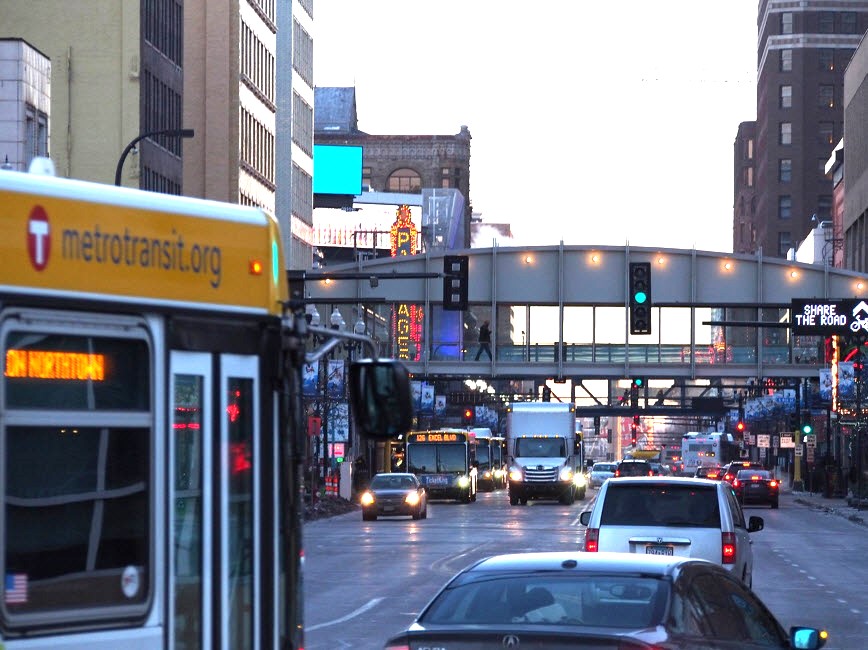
column 443, row 461
column 490, row 452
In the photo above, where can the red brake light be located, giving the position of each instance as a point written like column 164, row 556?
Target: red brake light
column 754, row 477
column 592, row 539
column 728, row 548
column 773, row 483
column 617, row 472
column 735, row 482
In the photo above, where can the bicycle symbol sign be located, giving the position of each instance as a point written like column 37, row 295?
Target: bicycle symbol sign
column 828, row 317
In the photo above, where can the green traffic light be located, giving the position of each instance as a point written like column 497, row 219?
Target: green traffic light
column 806, row 429
column 639, row 297
column 637, row 382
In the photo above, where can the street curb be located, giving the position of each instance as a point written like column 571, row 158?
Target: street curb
column 848, row 513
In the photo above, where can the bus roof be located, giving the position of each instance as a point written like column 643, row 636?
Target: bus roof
column 63, row 237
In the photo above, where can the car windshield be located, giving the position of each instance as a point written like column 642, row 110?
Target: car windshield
column 613, row 601
column 385, row 482
column 603, row 467
column 748, row 474
column 638, row 468
column 658, row 504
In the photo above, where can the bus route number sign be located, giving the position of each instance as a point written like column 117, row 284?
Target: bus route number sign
column 436, row 436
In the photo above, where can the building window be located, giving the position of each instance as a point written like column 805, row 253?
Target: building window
column 404, row 180
column 849, row 24
column 786, row 61
column 786, row 133
column 748, row 148
column 785, row 243
column 826, row 132
column 366, row 178
column 826, row 96
column 785, row 206
column 445, row 179
column 826, row 59
column 827, row 22
column 824, row 206
column 747, row 178
column 785, row 170
column 787, row 22
column 35, row 134
column 786, row 97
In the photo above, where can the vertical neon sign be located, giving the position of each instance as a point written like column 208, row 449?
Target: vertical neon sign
column 406, row 319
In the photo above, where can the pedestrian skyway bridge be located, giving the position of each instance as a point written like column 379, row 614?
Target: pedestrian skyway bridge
column 563, row 312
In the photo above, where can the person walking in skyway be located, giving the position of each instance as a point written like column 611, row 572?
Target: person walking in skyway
column 484, row 341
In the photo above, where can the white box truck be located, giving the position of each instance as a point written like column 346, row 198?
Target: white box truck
column 545, row 453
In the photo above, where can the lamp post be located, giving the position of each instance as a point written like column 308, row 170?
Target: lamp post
column 177, row 133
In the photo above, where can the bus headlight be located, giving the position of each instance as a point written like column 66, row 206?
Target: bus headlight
column 515, row 474
column 566, row 474
column 463, row 481
column 367, row 499
column 412, row 499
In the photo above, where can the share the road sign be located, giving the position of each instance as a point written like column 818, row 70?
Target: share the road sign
column 828, row 317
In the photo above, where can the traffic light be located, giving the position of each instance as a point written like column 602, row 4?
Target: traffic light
column 634, row 430
column 640, row 297
column 807, row 429
column 858, row 365
column 546, row 394
column 455, row 282
column 468, row 416
column 635, row 385
column 740, row 427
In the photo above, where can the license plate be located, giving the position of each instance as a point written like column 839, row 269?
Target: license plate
column 658, row 550
column 388, row 508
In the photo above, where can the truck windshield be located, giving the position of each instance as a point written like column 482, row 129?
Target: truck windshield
column 541, row 447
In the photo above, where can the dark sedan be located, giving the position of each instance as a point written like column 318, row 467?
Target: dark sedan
column 756, row 486
column 602, row 600
column 393, row 494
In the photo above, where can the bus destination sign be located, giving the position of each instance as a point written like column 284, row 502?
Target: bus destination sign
column 436, row 436
column 828, row 317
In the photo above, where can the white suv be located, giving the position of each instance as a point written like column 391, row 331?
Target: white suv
column 668, row 515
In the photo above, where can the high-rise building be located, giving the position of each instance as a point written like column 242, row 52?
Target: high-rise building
column 116, row 73
column 803, row 50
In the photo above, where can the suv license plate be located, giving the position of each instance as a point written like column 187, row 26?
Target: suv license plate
column 658, row 550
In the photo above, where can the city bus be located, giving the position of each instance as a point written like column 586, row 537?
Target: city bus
column 150, row 421
column 443, row 462
column 706, row 449
column 489, row 451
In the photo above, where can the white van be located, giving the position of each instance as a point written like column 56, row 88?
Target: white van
column 669, row 515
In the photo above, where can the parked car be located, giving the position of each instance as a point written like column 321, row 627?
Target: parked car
column 756, row 486
column 634, row 467
column 599, row 600
column 392, row 494
column 672, row 515
column 708, row 471
column 731, row 469
column 600, row 472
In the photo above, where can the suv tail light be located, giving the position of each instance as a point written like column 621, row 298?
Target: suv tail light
column 617, row 472
column 592, row 539
column 728, row 548
column 773, row 483
column 735, row 482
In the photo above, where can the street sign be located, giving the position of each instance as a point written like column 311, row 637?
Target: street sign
column 787, row 441
column 798, row 450
column 828, row 317
column 776, row 442
column 763, row 440
column 811, row 441
column 810, row 454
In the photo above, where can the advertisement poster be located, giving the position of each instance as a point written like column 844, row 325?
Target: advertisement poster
column 440, row 404
column 309, row 377
column 335, row 386
column 416, row 390
column 339, row 422
column 826, row 385
column 427, row 399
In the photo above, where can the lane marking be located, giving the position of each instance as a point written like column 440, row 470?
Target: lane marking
column 361, row 610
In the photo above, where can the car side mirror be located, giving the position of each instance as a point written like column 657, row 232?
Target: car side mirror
column 380, row 397
column 755, row 524
column 585, row 518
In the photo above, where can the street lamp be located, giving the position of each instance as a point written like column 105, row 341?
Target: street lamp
column 177, row 133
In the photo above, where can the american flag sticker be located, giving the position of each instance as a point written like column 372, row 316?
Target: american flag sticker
column 16, row 588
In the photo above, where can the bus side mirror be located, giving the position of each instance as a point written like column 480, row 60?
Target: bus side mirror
column 380, row 397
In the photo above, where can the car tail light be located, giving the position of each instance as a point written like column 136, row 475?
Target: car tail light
column 728, row 477
column 592, row 540
column 735, row 482
column 617, row 472
column 728, row 548
column 398, row 645
column 773, row 483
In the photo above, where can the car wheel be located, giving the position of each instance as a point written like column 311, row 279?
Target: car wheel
column 513, row 500
column 775, row 504
column 523, row 501
column 425, row 513
column 369, row 516
column 417, row 515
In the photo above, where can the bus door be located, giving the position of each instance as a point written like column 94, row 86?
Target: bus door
column 215, row 582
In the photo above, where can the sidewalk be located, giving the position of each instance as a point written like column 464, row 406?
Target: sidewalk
column 840, row 506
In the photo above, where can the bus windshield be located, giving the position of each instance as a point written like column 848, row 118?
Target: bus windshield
column 441, row 458
column 541, row 447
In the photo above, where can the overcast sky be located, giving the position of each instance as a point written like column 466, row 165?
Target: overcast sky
column 591, row 122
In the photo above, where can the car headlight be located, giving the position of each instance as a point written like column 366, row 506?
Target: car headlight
column 580, row 480
column 463, row 481
column 367, row 498
column 515, row 474
column 566, row 474
column 486, row 474
column 412, row 499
